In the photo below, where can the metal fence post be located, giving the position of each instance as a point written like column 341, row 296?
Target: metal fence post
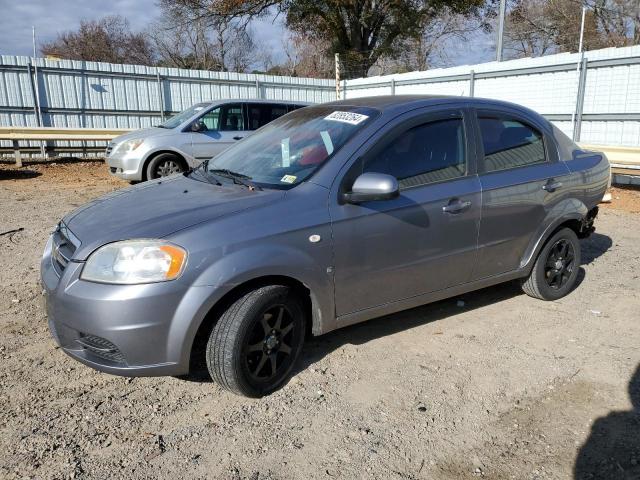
column 258, row 89
column 472, row 83
column 580, row 100
column 16, row 153
column 160, row 96
column 393, row 86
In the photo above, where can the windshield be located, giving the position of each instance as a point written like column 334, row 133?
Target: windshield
column 288, row 150
column 177, row 119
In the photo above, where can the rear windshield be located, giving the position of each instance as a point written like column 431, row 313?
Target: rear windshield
column 288, row 150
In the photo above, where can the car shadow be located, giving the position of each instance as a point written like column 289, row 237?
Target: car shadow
column 594, row 246
column 316, row 348
column 612, row 450
column 18, row 174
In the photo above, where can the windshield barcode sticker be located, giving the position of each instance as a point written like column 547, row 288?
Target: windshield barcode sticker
column 347, row 117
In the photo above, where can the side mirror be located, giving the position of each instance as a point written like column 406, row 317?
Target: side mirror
column 198, row 126
column 372, row 186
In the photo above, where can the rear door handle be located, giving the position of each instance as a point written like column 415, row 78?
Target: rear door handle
column 552, row 186
column 238, row 138
column 456, row 206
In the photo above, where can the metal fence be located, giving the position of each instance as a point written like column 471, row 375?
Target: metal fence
column 594, row 97
column 80, row 94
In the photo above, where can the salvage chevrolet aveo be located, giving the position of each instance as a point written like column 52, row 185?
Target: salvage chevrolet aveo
column 328, row 216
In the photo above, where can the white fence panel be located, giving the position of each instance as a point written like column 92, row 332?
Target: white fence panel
column 610, row 95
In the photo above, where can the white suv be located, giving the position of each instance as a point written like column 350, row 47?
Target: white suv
column 190, row 137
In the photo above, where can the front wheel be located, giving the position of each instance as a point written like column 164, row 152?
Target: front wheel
column 257, row 340
column 556, row 269
column 164, row 165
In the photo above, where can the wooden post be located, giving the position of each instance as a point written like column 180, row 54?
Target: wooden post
column 16, row 153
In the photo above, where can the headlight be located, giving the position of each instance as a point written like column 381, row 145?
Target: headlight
column 135, row 261
column 131, row 145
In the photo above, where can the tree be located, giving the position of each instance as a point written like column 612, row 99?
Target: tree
column 106, row 40
column 219, row 43
column 434, row 46
column 539, row 27
column 362, row 31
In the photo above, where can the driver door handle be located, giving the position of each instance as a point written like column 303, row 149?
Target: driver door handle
column 456, row 206
column 238, row 138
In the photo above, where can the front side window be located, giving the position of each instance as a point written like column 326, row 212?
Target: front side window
column 291, row 148
column 509, row 143
column 427, row 153
column 211, row 119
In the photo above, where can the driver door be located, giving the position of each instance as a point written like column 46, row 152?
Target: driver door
column 221, row 127
column 390, row 250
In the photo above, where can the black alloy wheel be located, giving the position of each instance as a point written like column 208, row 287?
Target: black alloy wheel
column 560, row 264
column 267, row 348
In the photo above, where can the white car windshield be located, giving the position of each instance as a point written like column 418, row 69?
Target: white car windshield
column 179, row 118
column 288, row 150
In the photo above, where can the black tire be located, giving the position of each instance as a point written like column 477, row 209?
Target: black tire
column 164, row 165
column 556, row 269
column 264, row 326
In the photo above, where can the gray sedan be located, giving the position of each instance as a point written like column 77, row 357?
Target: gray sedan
column 328, row 216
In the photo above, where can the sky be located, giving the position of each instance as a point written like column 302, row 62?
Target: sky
column 53, row 16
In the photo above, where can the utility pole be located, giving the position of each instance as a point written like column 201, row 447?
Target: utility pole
column 574, row 131
column 37, row 99
column 503, row 12
column 337, row 60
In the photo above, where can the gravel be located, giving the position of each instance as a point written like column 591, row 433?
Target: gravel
column 506, row 387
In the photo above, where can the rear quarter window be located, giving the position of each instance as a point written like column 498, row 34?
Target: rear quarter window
column 566, row 146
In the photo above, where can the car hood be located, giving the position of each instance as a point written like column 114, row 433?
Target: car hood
column 158, row 208
column 143, row 133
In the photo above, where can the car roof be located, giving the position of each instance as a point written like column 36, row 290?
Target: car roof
column 253, row 100
column 396, row 103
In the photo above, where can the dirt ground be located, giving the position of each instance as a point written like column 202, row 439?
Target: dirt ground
column 501, row 386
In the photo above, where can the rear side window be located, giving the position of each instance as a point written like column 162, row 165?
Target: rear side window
column 427, row 153
column 231, row 117
column 262, row 113
column 509, row 143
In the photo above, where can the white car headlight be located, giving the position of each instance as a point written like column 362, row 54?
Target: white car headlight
column 130, row 145
column 135, row 261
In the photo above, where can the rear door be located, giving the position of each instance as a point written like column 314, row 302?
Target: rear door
column 225, row 125
column 521, row 181
column 422, row 241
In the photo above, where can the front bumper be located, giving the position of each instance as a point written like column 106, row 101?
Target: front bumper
column 127, row 166
column 131, row 330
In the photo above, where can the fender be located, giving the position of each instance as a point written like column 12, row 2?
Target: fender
column 245, row 265
column 569, row 209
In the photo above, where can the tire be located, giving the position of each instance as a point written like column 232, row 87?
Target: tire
column 164, row 165
column 243, row 346
column 555, row 271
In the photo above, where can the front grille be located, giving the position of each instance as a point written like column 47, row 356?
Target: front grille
column 113, row 169
column 64, row 246
column 101, row 348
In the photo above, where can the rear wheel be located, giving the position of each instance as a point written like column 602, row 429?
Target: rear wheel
column 164, row 165
column 556, row 269
column 257, row 340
